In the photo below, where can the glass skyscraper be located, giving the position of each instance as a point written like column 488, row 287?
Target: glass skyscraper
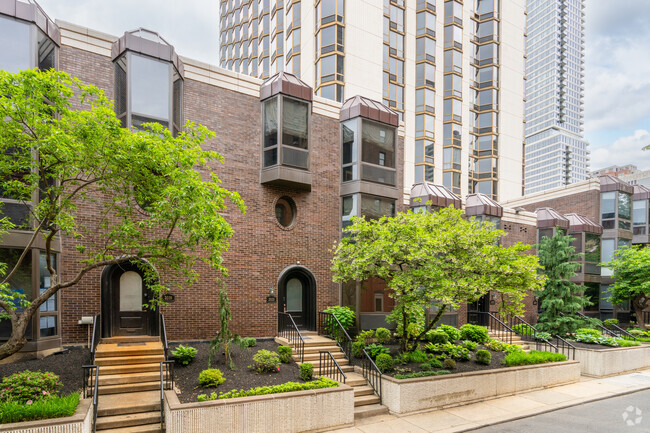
column 555, row 151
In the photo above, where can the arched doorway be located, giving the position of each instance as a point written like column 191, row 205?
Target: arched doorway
column 297, row 296
column 124, row 291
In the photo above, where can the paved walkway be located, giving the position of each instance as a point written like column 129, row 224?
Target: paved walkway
column 490, row 412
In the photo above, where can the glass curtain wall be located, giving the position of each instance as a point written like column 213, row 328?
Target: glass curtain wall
column 330, row 33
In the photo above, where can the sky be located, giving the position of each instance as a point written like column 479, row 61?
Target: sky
column 617, row 59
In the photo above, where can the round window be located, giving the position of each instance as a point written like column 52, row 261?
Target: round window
column 285, row 211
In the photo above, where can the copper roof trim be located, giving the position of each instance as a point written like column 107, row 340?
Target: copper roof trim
column 438, row 195
column 368, row 109
column 287, row 84
column 481, row 204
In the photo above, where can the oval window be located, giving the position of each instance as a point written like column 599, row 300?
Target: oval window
column 285, row 211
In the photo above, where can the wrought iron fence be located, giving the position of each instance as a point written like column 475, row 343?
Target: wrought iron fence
column 565, row 347
column 327, row 366
column 166, row 383
column 289, row 330
column 91, row 388
column 329, row 326
column 371, row 373
column 496, row 326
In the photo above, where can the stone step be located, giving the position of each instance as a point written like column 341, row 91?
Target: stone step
column 147, row 428
column 309, row 357
column 122, row 378
column 139, row 349
column 316, row 364
column 129, row 420
column 363, row 390
column 122, row 360
column 369, row 410
column 129, row 387
column 345, row 368
column 355, row 379
column 315, row 349
column 129, row 339
column 122, row 404
column 365, row 400
column 314, row 341
column 129, row 368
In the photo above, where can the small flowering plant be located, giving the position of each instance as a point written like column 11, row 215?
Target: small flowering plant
column 26, row 387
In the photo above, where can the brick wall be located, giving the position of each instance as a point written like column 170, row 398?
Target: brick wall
column 585, row 203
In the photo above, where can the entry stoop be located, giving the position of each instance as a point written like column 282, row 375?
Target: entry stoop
column 129, row 384
column 516, row 340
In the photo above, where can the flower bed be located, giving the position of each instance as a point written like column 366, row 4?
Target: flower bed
column 599, row 362
column 408, row 395
column 79, row 422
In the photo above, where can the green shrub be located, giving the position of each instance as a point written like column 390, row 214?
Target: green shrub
column 211, row 377
column 543, row 336
column 534, row 357
column 357, row 349
column 476, row 333
column 588, row 331
column 470, row 345
column 434, row 347
column 425, row 366
column 416, row 356
column 52, row 407
column 384, row 362
column 422, row 374
column 513, row 348
column 383, row 335
column 344, row 314
column 184, row 354
column 376, row 349
column 483, row 357
column 430, row 365
column 458, row 353
column 449, row 364
column 437, row 336
column 522, row 329
column 285, row 353
column 365, row 336
column 495, row 345
column 322, row 382
column 609, row 323
column 28, row 385
column 452, row 332
column 249, row 342
column 265, row 361
column 627, row 343
column 306, row 371
column 637, row 333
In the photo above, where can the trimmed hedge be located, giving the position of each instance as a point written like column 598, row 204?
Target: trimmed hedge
column 422, row 374
column 52, row 407
column 320, row 383
column 534, row 357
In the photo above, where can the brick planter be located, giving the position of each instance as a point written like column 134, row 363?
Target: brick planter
column 80, row 422
column 289, row 412
column 606, row 362
column 409, row 395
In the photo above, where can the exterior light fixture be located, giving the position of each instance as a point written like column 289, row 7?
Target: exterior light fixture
column 271, row 298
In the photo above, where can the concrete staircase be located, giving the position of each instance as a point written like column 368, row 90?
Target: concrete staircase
column 129, row 384
column 516, row 339
column 366, row 402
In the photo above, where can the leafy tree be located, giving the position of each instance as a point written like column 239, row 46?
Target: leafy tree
column 438, row 257
column 631, row 268
column 561, row 298
column 224, row 337
column 60, row 141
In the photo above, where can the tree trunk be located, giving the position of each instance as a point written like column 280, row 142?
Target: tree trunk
column 639, row 306
column 428, row 327
column 17, row 339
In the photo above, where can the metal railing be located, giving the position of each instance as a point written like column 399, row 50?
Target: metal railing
column 327, row 366
column 163, row 336
column 97, row 325
column 565, row 347
column 166, row 383
column 371, row 373
column 496, row 326
column 605, row 331
column 91, row 388
column 329, row 326
column 289, row 330
column 528, row 332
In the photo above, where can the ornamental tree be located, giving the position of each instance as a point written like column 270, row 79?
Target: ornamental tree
column 561, row 298
column 438, row 257
column 631, row 268
column 61, row 150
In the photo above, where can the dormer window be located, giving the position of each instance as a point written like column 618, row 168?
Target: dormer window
column 148, row 81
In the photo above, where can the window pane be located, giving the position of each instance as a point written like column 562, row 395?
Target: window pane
column 45, row 282
column 378, row 144
column 295, row 130
column 20, row 282
column 608, row 246
column 150, row 85
column 294, row 295
column 608, row 205
column 14, row 45
column 47, row 326
column 271, row 122
column 624, row 206
column 375, row 207
column 640, row 212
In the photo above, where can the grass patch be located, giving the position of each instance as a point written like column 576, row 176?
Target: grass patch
column 322, row 382
column 421, row 374
column 534, row 357
column 53, row 407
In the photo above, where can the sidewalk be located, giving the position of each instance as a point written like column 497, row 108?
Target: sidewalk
column 489, row 412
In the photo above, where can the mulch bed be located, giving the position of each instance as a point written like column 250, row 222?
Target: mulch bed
column 67, row 365
column 461, row 366
column 591, row 346
column 187, row 377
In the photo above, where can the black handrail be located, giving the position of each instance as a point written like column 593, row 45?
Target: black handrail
column 327, row 366
column 329, row 326
column 498, row 328
column 97, row 325
column 90, row 383
column 622, row 332
column 602, row 328
column 166, row 383
column 563, row 346
column 163, row 336
column 290, row 331
column 371, row 373
column 531, row 333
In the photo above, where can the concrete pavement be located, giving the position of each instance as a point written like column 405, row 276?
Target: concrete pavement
column 490, row 412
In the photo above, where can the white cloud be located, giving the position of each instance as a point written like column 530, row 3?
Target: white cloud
column 625, row 150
